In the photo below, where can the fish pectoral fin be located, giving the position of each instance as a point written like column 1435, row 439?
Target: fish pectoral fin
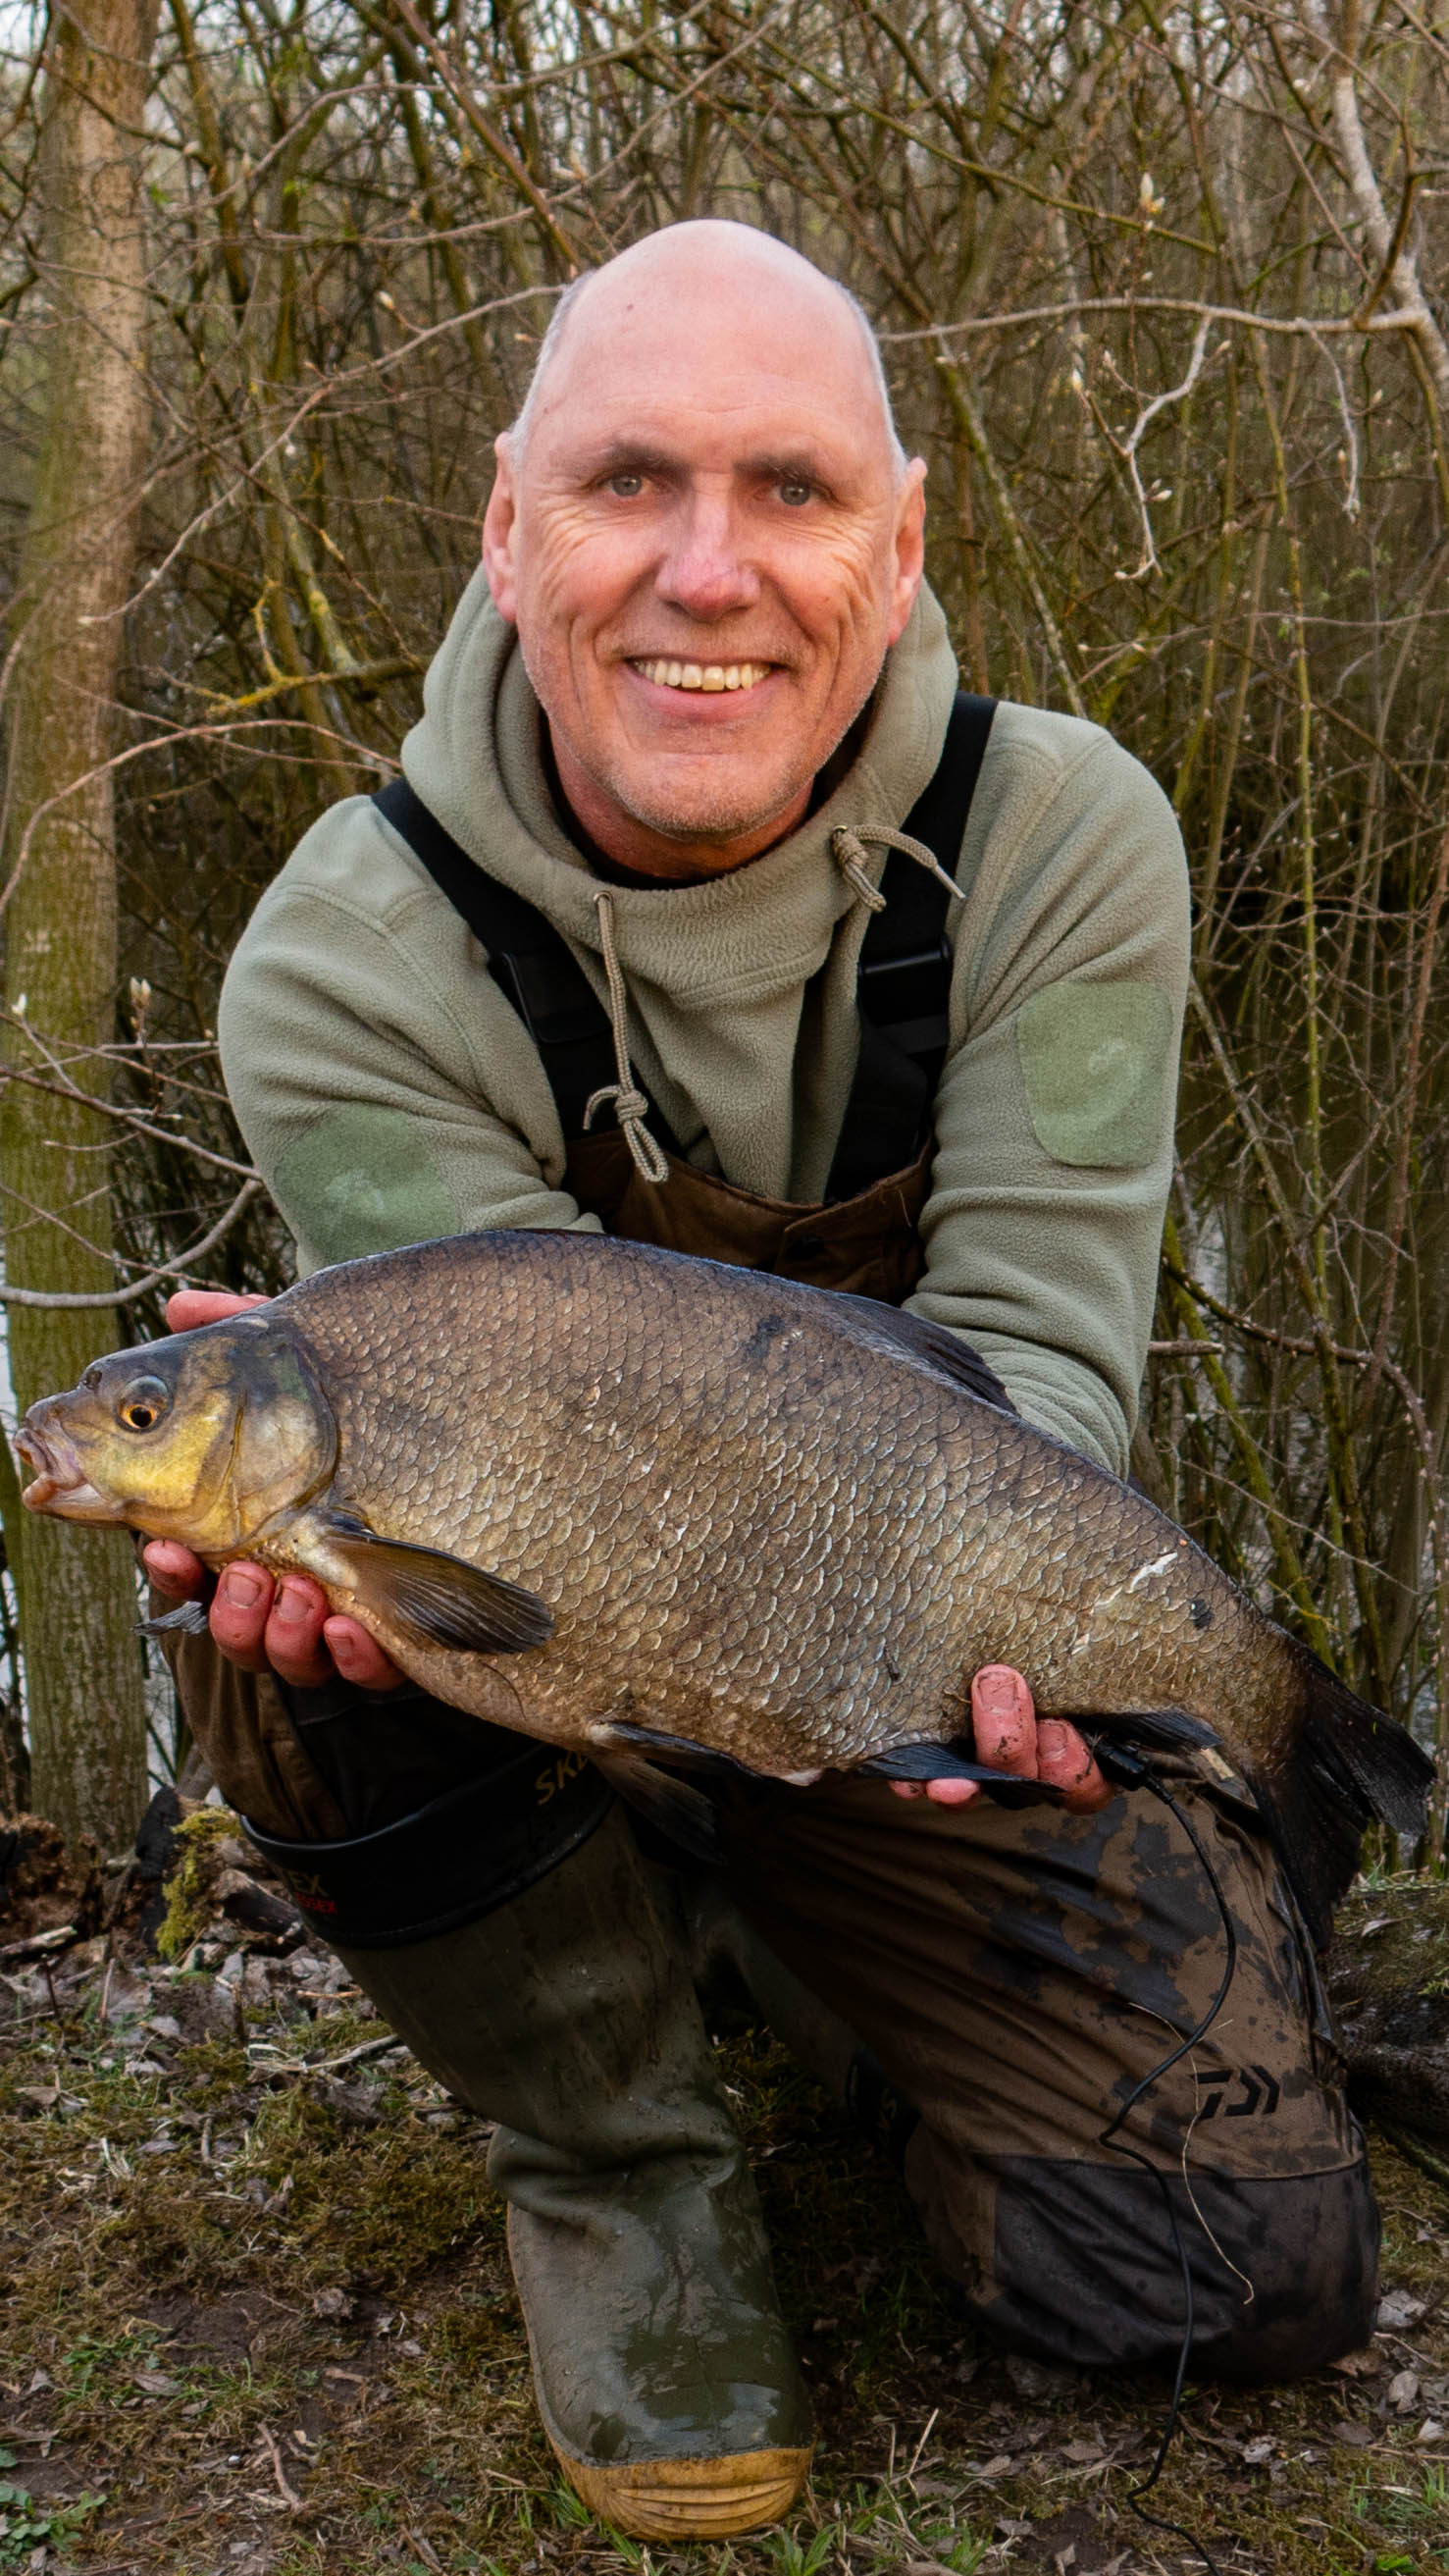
column 435, row 1599
column 943, row 1762
column 188, row 1619
column 681, row 1812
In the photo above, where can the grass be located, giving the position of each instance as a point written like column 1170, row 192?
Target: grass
column 258, row 2318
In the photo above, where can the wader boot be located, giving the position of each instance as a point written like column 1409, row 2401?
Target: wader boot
column 664, row 2375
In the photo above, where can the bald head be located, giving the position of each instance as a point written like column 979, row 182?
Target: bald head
column 707, row 536
column 687, row 261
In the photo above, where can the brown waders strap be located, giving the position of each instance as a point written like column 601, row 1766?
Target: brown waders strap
column 902, row 982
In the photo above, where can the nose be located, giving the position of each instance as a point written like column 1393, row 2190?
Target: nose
column 704, row 571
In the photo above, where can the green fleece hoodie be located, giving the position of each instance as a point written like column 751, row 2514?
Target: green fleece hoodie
column 388, row 1090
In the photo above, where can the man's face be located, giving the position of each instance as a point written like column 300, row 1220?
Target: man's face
column 707, row 547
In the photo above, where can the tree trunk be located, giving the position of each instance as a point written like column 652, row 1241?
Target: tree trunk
column 83, row 1670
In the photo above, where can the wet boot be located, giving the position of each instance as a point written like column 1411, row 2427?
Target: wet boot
column 664, row 2375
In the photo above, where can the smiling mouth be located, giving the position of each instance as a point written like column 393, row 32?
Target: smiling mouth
column 703, row 675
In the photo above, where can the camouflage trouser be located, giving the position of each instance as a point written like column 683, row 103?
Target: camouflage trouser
column 1015, row 1973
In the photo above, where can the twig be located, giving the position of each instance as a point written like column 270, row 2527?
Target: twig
column 176, row 1269
column 287, row 2492
column 1127, row 448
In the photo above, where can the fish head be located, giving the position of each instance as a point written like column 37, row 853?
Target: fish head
column 203, row 1438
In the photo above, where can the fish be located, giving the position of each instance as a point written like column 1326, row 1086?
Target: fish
column 662, row 1511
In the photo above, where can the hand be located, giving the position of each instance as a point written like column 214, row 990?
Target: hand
column 1011, row 1737
column 257, row 1622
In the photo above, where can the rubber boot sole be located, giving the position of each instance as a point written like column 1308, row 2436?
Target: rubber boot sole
column 688, row 2499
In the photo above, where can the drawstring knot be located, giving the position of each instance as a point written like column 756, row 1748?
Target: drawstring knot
column 629, row 1103
column 847, row 848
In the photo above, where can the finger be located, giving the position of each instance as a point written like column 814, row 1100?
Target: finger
column 358, row 1657
column 1065, row 1758
column 942, row 1793
column 239, row 1615
column 190, row 1308
column 1004, row 1721
column 174, row 1570
column 294, row 1641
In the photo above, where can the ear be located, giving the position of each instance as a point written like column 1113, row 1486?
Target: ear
column 910, row 547
column 500, row 528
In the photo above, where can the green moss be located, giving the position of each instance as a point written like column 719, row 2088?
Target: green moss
column 188, row 1889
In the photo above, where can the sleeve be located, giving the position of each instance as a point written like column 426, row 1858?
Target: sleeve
column 384, row 1087
column 1054, row 1115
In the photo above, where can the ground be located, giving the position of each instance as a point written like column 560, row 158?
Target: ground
column 257, row 2317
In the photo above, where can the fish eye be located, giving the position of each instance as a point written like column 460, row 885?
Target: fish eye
column 144, row 1402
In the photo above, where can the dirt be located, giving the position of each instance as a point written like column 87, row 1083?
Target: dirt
column 257, row 2321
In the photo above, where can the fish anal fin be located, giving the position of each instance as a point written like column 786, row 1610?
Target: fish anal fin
column 683, row 1814
column 429, row 1597
column 1158, row 1730
column 947, row 1762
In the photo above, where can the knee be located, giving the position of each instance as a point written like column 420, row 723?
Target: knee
column 1078, row 2264
column 1309, row 2246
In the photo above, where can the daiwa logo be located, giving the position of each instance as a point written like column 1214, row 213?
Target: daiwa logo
column 1218, row 2089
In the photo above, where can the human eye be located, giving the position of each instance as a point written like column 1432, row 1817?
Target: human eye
column 795, row 491
column 626, row 483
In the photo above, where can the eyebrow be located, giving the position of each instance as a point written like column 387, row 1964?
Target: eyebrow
column 637, row 456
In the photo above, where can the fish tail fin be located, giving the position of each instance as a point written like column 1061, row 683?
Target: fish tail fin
column 1350, row 1765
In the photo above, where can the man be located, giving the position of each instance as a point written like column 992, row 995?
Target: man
column 684, row 714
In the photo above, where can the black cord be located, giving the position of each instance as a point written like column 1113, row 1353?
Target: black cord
column 1130, row 1772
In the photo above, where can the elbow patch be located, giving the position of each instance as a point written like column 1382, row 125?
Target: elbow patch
column 361, row 1180
column 1097, row 1060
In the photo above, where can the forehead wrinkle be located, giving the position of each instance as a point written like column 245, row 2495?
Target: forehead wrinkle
column 663, row 274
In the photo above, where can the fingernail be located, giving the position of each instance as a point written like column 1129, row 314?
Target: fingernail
column 292, row 1605
column 999, row 1689
column 242, row 1590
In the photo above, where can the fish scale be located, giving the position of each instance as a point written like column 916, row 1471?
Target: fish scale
column 621, row 1498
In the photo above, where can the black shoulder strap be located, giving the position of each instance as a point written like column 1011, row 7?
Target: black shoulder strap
column 903, row 982
column 529, row 960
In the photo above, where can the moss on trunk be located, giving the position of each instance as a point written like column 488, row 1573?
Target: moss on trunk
column 77, row 1592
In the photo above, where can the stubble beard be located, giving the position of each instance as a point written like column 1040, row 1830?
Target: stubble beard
column 711, row 816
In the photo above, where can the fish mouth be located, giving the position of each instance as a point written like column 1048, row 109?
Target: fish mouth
column 59, row 1484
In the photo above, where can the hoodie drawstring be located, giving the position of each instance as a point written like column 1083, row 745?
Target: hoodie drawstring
column 630, row 1104
column 847, row 848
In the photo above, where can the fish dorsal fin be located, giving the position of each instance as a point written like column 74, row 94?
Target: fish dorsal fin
column 931, row 1346
column 432, row 1598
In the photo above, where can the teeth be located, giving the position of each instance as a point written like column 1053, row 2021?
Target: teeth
column 705, row 675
